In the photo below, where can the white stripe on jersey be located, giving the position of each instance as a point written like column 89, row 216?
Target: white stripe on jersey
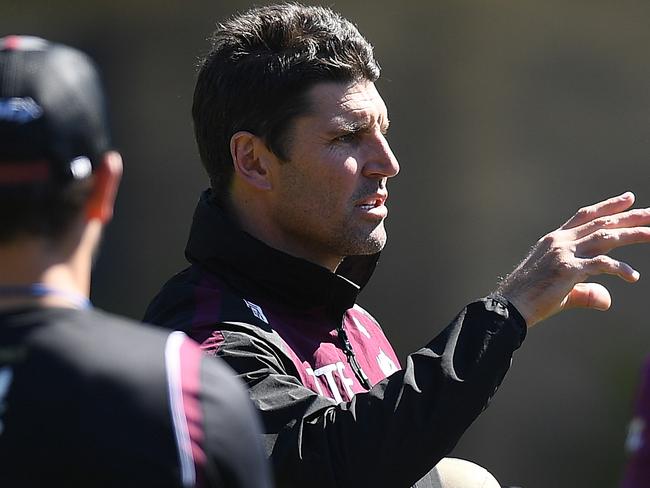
column 173, row 367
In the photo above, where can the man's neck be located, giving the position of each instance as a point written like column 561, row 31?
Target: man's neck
column 36, row 272
column 252, row 220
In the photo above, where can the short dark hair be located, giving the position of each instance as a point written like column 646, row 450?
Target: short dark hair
column 46, row 211
column 258, row 72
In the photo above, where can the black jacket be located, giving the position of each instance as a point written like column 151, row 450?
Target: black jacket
column 90, row 399
column 336, row 407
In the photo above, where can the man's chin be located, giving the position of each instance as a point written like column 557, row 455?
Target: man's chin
column 370, row 244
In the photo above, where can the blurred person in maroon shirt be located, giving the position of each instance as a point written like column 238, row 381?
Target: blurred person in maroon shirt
column 637, row 444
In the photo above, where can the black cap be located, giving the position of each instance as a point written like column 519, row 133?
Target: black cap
column 53, row 121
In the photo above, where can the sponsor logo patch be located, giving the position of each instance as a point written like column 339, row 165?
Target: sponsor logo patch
column 257, row 311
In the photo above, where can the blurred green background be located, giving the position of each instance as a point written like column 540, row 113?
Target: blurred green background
column 506, row 116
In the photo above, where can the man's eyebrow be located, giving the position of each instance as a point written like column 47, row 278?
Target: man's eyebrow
column 360, row 125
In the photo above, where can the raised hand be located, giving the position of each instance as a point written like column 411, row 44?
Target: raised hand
column 551, row 278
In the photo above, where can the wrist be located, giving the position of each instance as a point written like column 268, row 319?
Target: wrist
column 515, row 306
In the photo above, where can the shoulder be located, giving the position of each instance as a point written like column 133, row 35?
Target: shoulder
column 181, row 297
column 363, row 320
column 198, row 303
column 94, row 347
column 90, row 326
column 194, row 299
column 97, row 328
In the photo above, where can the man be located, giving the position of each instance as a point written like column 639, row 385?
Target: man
column 87, row 398
column 291, row 130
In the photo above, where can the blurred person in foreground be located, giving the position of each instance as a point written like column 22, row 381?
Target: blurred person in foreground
column 637, row 444
column 87, row 398
column 292, row 133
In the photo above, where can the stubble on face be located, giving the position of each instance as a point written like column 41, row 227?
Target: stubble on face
column 364, row 239
column 325, row 180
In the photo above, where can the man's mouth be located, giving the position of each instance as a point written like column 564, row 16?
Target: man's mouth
column 373, row 206
column 373, row 201
column 368, row 206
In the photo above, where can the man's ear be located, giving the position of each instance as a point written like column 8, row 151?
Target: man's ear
column 251, row 159
column 106, row 180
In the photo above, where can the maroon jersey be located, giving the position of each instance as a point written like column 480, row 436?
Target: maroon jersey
column 337, row 408
column 319, row 357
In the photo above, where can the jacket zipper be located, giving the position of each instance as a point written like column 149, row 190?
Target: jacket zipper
column 354, row 364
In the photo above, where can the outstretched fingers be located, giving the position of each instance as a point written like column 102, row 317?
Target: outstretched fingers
column 604, row 240
column 564, row 258
column 603, row 264
column 610, row 206
column 631, row 218
column 595, row 295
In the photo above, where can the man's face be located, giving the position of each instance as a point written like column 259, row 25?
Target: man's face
column 329, row 197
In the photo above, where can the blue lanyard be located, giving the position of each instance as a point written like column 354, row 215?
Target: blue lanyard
column 42, row 290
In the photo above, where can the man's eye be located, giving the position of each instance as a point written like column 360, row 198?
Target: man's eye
column 347, row 137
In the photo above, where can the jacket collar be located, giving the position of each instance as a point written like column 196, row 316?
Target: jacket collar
column 217, row 244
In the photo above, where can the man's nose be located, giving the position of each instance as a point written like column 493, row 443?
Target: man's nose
column 381, row 161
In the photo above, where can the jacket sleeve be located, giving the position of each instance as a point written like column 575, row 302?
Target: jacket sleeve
column 396, row 432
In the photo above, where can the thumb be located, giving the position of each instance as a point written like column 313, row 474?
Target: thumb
column 587, row 295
